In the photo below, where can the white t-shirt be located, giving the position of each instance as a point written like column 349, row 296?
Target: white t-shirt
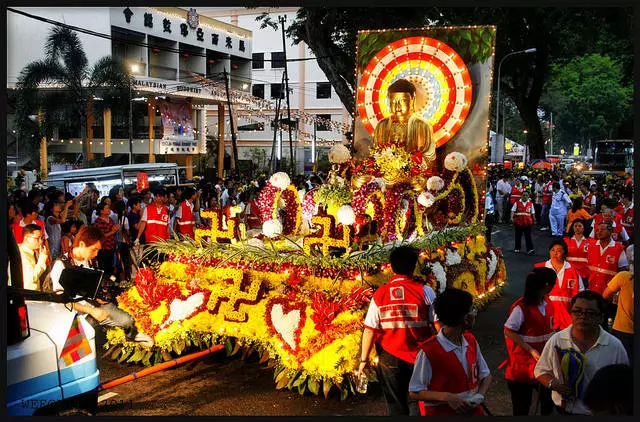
column 516, row 319
column 422, row 371
column 607, row 350
column 503, row 188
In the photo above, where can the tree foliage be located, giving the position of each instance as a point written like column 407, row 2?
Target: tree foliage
column 590, row 97
column 65, row 63
column 558, row 34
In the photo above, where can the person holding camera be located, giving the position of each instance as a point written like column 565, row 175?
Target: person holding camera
column 86, row 245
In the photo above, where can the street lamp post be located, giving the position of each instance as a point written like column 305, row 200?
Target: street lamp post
column 134, row 69
column 527, row 51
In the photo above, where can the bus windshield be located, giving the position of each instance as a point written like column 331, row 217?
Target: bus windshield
column 615, row 156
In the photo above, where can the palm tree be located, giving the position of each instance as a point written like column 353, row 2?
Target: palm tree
column 66, row 63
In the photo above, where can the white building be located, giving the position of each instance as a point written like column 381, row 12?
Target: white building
column 167, row 45
column 310, row 91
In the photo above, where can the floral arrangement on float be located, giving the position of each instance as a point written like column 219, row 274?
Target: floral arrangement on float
column 296, row 294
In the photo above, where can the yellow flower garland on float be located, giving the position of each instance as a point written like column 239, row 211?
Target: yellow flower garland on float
column 295, row 207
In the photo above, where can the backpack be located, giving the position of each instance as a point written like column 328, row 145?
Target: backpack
column 46, row 284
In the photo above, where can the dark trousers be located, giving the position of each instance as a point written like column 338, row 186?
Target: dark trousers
column 105, row 261
column 538, row 211
column 526, row 230
column 506, row 214
column 394, row 375
column 488, row 221
column 522, row 394
column 627, row 342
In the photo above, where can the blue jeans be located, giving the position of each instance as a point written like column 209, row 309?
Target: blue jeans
column 544, row 215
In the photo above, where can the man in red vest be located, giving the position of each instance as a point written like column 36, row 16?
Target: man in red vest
column 450, row 375
column 589, row 199
column 154, row 222
column 606, row 258
column 618, row 233
column 399, row 318
column 185, row 220
column 522, row 215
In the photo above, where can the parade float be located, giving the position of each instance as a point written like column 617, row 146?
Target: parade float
column 295, row 293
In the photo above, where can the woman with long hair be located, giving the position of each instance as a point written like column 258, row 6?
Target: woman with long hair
column 529, row 326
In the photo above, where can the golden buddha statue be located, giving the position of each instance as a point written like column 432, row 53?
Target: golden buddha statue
column 405, row 127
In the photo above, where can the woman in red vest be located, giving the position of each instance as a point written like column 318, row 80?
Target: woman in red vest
column 577, row 248
column 450, row 375
column 529, row 326
column 568, row 283
column 185, row 222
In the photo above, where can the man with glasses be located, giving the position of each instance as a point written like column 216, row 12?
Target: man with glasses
column 572, row 356
column 34, row 256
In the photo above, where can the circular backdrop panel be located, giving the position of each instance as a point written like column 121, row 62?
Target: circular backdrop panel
column 442, row 81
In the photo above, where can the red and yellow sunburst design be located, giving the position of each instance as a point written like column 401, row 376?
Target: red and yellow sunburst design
column 436, row 70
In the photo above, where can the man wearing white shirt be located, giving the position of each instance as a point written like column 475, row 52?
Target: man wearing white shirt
column 584, row 340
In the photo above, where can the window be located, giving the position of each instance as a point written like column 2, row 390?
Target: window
column 257, row 90
column 323, row 126
column 251, row 127
column 277, row 91
column 277, row 60
column 323, row 90
column 257, row 61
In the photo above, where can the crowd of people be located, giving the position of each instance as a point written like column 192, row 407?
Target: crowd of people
column 572, row 326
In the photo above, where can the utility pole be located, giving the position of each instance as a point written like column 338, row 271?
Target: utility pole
column 234, row 146
column 551, row 134
column 282, row 20
column 273, row 164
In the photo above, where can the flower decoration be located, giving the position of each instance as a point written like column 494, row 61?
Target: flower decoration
column 452, row 257
column 280, row 180
column 309, row 205
column 426, row 199
column 346, row 216
column 339, row 154
column 256, row 242
column 380, row 182
column 435, row 183
column 455, row 161
column 272, row 228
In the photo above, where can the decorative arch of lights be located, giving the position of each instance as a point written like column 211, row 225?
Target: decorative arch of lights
column 439, row 74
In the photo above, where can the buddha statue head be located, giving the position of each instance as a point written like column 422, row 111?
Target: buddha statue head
column 402, row 96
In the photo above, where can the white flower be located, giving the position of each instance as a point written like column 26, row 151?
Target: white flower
column 380, row 182
column 435, row 183
column 346, row 215
column 452, row 258
column 426, row 199
column 272, row 228
column 280, row 180
column 180, row 310
column 455, row 161
column 254, row 241
column 441, row 276
column 339, row 154
column 492, row 264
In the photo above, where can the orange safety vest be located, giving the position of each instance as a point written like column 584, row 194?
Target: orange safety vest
column 447, row 374
column 602, row 267
column 187, row 223
column 522, row 216
column 157, row 227
column 535, row 331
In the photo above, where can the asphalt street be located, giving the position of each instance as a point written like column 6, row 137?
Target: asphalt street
column 216, row 385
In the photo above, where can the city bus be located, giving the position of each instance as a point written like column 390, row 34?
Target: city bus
column 614, row 155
